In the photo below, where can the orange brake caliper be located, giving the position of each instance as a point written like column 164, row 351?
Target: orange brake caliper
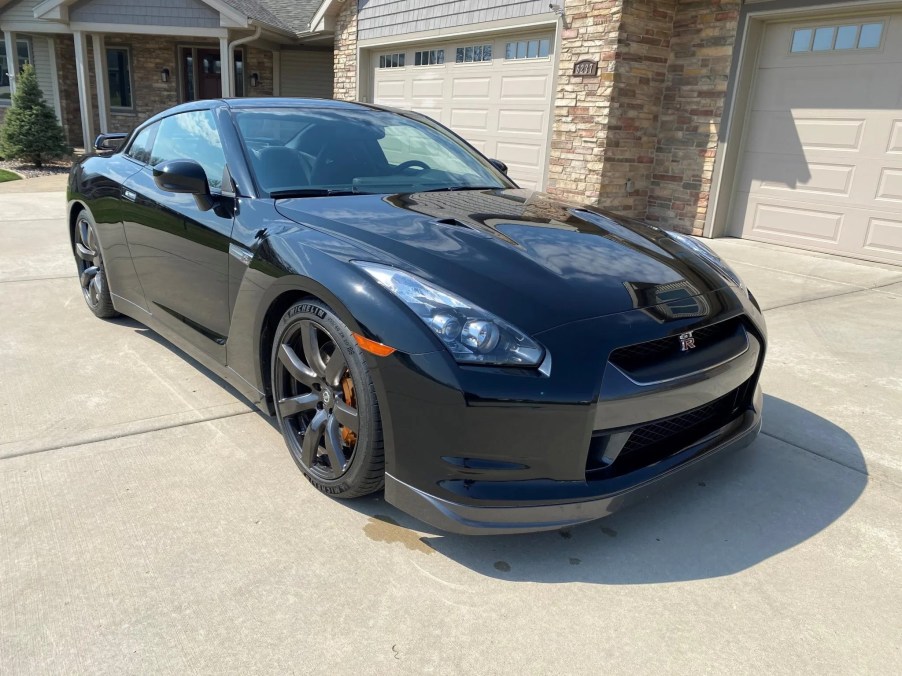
column 347, row 386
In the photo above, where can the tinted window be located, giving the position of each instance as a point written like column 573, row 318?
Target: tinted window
column 367, row 151
column 191, row 136
column 140, row 147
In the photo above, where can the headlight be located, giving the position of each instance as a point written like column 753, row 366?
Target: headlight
column 471, row 334
column 710, row 257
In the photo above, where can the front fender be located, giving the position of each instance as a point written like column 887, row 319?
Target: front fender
column 304, row 262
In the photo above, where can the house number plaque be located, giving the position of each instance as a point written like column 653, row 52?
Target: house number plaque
column 585, row 67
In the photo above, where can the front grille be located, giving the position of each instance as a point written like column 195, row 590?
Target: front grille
column 689, row 426
column 633, row 357
column 657, row 440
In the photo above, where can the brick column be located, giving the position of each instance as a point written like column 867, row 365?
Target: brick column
column 345, row 88
column 694, row 96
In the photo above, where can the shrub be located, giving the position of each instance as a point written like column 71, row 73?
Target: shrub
column 31, row 131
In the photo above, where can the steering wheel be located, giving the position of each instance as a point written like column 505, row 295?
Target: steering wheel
column 412, row 164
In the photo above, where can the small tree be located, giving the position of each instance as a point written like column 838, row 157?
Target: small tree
column 31, row 131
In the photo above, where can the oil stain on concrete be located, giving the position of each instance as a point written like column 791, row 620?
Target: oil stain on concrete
column 381, row 528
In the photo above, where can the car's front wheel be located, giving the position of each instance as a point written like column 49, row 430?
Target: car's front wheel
column 91, row 273
column 325, row 402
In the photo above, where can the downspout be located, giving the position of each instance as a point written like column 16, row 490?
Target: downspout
column 231, row 54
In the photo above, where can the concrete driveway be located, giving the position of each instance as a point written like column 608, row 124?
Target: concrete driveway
column 151, row 522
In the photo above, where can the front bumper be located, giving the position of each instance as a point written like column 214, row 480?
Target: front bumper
column 488, row 450
column 455, row 517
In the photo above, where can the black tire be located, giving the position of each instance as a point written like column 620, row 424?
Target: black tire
column 91, row 273
column 335, row 401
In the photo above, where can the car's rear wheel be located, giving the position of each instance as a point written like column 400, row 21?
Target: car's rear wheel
column 91, row 273
column 325, row 402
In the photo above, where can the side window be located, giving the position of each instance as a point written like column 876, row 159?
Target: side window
column 140, row 147
column 191, row 136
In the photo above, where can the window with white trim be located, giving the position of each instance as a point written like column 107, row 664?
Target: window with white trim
column 837, row 37
column 473, row 54
column 23, row 56
column 429, row 57
column 119, row 78
column 528, row 49
column 391, row 60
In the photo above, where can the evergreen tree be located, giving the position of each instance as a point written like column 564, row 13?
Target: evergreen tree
column 31, row 131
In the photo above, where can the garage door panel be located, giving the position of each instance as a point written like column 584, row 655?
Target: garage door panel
column 796, row 222
column 472, row 88
column 520, row 121
column 431, row 88
column 895, row 137
column 822, row 166
column 390, row 89
column 884, row 236
column 525, row 87
column 817, row 87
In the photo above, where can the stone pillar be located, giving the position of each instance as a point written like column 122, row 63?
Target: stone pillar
column 345, row 88
column 695, row 90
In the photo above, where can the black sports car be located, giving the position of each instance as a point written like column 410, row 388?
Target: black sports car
column 499, row 360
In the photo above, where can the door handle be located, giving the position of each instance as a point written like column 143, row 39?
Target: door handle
column 130, row 195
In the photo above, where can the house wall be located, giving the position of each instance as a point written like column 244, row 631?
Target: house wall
column 382, row 18
column 190, row 13
column 20, row 11
column 704, row 33
column 68, row 90
column 258, row 61
column 307, row 72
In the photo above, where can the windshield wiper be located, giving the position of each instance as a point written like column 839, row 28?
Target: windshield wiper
column 457, row 188
column 313, row 192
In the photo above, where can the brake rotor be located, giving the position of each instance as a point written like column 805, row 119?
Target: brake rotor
column 347, row 386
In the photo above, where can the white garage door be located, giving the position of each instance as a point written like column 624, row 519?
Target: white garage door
column 495, row 92
column 822, row 161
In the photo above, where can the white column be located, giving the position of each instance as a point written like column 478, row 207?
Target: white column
column 226, row 67
column 84, row 89
column 100, row 79
column 276, row 73
column 11, row 59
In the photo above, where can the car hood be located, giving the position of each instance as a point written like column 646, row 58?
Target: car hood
column 536, row 261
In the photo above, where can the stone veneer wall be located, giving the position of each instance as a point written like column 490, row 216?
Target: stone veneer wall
column 704, row 33
column 258, row 61
column 582, row 104
column 68, row 90
column 345, row 87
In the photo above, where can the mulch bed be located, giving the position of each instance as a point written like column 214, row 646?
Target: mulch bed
column 28, row 171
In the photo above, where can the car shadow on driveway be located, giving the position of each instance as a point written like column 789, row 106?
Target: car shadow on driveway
column 733, row 513
column 736, row 512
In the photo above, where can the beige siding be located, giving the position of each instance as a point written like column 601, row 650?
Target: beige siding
column 306, row 73
column 40, row 50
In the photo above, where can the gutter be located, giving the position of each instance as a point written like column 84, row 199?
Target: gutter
column 231, row 53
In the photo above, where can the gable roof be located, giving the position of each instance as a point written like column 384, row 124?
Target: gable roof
column 292, row 16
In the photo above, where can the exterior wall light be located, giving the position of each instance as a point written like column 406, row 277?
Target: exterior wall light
column 255, row 79
column 164, row 75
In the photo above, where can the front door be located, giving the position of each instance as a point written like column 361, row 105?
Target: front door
column 209, row 81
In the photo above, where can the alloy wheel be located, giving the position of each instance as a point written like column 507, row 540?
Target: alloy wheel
column 315, row 400
column 90, row 262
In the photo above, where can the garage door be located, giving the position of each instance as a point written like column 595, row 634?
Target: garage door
column 822, row 161
column 495, row 92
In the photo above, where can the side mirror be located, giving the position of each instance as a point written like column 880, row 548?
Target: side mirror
column 109, row 142
column 186, row 177
column 500, row 166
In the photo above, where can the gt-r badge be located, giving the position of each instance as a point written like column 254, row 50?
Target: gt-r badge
column 687, row 341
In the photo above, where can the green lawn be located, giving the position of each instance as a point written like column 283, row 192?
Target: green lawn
column 8, row 176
